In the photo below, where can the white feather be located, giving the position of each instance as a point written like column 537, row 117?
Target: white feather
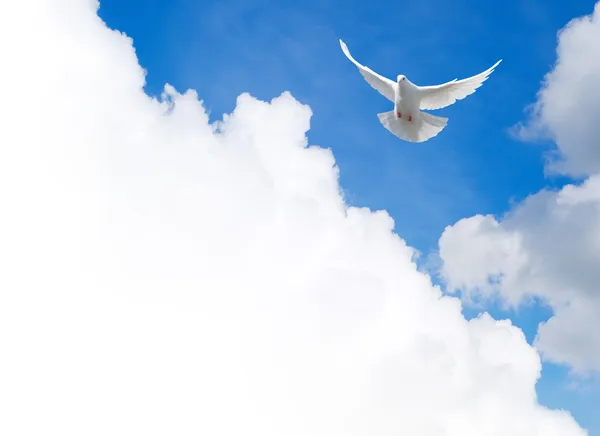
column 439, row 96
column 422, row 129
column 382, row 84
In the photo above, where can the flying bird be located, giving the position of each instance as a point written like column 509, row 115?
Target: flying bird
column 407, row 121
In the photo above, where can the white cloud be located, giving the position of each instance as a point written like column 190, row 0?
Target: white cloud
column 494, row 256
column 568, row 104
column 549, row 246
column 161, row 275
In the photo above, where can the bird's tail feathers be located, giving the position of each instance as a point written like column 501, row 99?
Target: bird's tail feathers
column 422, row 128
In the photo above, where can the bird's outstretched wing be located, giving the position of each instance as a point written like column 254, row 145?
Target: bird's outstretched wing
column 382, row 84
column 439, row 96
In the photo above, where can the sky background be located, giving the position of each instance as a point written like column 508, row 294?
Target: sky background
column 224, row 48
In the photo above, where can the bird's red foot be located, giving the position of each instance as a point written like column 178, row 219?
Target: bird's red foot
column 409, row 119
column 399, row 115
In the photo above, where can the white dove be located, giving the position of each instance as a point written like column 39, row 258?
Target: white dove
column 407, row 121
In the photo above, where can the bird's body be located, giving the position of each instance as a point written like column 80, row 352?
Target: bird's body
column 406, row 99
column 407, row 121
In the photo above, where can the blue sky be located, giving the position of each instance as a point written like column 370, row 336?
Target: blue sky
column 223, row 48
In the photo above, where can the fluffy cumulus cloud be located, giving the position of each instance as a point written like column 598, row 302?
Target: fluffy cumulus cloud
column 569, row 102
column 165, row 275
column 549, row 245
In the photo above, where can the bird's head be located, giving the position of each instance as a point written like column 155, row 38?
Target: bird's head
column 401, row 78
